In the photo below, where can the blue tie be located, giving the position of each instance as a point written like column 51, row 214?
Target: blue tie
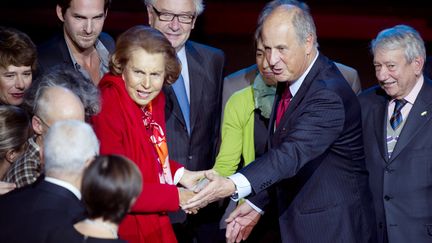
column 396, row 118
column 180, row 91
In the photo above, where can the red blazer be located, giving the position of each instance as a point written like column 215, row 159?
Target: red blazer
column 120, row 129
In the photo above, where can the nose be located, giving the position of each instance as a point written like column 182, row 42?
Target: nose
column 20, row 83
column 271, row 57
column 146, row 83
column 88, row 26
column 174, row 25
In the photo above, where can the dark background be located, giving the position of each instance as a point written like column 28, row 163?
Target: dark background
column 344, row 28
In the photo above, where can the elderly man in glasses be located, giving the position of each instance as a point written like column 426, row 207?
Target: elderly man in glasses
column 193, row 102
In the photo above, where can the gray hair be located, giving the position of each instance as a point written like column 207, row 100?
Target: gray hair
column 199, row 5
column 302, row 20
column 67, row 146
column 67, row 78
column 400, row 37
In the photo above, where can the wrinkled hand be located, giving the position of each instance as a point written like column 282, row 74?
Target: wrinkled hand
column 184, row 196
column 190, row 179
column 6, row 187
column 241, row 223
column 218, row 187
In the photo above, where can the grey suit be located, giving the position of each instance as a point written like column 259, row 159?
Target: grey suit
column 244, row 77
column 401, row 185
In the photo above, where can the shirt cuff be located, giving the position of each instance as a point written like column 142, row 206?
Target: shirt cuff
column 178, row 175
column 259, row 210
column 242, row 184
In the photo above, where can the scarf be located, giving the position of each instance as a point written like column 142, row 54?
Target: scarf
column 264, row 96
column 158, row 139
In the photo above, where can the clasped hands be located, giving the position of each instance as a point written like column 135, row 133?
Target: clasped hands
column 202, row 188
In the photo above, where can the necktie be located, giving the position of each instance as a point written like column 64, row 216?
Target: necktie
column 180, row 91
column 283, row 104
column 396, row 118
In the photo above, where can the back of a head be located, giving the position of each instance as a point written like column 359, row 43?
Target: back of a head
column 400, row 37
column 57, row 103
column 16, row 48
column 67, row 146
column 14, row 129
column 68, row 78
column 110, row 183
column 152, row 41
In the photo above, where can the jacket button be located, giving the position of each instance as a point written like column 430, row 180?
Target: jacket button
column 190, row 157
column 388, row 170
column 387, row 197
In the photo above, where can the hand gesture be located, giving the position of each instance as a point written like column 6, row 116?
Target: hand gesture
column 217, row 188
column 241, row 222
column 190, row 179
column 184, row 196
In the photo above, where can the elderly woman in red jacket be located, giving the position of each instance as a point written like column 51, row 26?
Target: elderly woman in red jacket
column 132, row 123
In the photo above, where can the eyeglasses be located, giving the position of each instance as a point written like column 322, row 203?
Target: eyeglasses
column 168, row 17
column 43, row 121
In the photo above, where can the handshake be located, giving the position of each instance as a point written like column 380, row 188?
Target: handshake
column 202, row 188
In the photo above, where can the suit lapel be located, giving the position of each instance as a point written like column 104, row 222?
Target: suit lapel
column 379, row 115
column 419, row 115
column 298, row 97
column 196, row 76
column 172, row 106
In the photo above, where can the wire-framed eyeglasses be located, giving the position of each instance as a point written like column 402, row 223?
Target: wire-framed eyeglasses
column 168, row 17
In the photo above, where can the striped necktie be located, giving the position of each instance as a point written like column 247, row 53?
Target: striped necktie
column 396, row 119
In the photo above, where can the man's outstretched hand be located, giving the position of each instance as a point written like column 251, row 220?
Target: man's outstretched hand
column 217, row 188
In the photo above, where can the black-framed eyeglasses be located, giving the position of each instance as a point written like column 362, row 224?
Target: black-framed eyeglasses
column 168, row 17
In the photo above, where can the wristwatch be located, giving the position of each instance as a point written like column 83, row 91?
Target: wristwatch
column 235, row 195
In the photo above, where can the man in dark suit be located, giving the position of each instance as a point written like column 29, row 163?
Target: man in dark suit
column 315, row 161
column 397, row 130
column 82, row 45
column 245, row 77
column 28, row 214
column 193, row 102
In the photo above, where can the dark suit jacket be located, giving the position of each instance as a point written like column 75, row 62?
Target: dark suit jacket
column 29, row 213
column 401, row 185
column 55, row 51
column 316, row 163
column 197, row 152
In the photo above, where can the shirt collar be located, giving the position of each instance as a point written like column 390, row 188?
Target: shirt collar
column 181, row 54
column 295, row 86
column 66, row 185
column 103, row 54
column 412, row 95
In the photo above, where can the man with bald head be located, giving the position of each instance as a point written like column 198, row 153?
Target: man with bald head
column 51, row 103
column 315, row 162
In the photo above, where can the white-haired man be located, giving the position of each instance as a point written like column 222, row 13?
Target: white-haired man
column 30, row 213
